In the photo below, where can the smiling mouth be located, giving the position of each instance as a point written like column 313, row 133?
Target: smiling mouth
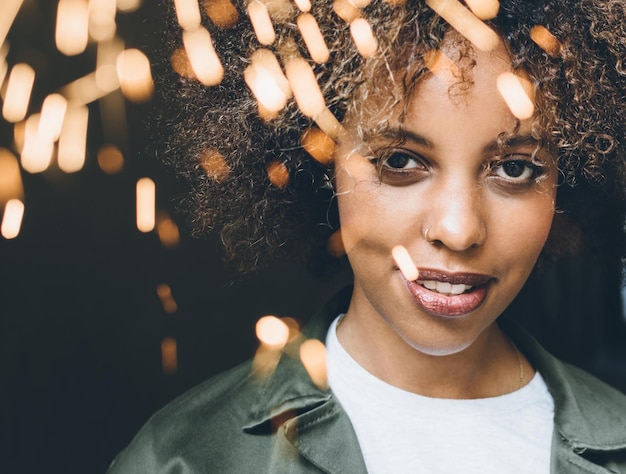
column 445, row 288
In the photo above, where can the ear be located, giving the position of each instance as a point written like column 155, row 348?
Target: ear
column 565, row 238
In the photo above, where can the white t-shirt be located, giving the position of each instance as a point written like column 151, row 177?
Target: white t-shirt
column 402, row 432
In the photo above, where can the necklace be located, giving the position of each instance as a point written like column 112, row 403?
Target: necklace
column 521, row 365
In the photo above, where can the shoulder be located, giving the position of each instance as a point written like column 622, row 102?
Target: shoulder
column 196, row 422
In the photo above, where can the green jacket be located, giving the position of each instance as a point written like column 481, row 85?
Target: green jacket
column 240, row 422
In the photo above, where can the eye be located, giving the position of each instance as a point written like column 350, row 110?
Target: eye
column 400, row 161
column 516, row 171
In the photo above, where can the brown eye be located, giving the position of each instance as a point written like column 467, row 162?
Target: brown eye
column 516, row 171
column 400, row 161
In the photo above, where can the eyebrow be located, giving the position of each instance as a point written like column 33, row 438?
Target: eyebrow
column 516, row 141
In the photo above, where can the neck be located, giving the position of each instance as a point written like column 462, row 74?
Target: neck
column 490, row 366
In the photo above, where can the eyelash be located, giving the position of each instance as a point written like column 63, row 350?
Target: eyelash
column 399, row 176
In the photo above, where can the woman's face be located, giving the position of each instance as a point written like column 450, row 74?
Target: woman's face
column 474, row 217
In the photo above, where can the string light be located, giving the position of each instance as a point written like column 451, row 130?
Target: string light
column 516, row 98
column 19, row 89
column 73, row 139
column 12, row 219
column 146, row 204
column 202, row 56
column 72, row 26
column 405, row 262
column 133, row 72
column 10, row 178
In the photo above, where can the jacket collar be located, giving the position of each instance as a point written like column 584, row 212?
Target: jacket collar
column 589, row 415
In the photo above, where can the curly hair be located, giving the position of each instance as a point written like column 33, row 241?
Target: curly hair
column 215, row 138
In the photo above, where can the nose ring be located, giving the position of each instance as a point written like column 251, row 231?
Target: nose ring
column 426, row 235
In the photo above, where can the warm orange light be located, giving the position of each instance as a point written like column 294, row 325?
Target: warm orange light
column 313, row 356
column 188, row 13
column 466, row 23
column 167, row 298
column 128, row 6
column 405, row 262
column 266, row 80
column 12, row 219
column 261, row 22
column 272, row 332
column 441, row 66
column 545, row 40
column 9, row 12
column 319, row 145
column 169, row 355
column 102, row 25
column 17, row 96
column 133, row 72
column 202, row 56
column 72, row 26
column 37, row 151
column 484, row 9
column 221, row 12
column 312, row 36
column 305, row 88
column 214, row 164
column 512, row 91
column 278, row 174
column 180, row 63
column 85, row 90
column 303, row 5
column 106, row 58
column 346, row 10
column 10, row 178
column 335, row 245
column 146, row 205
column 363, row 37
column 167, row 230
column 73, row 139
column 110, row 159
column 52, row 115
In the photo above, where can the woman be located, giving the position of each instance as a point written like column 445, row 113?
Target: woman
column 432, row 161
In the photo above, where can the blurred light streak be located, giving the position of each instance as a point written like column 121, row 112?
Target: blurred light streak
column 85, row 90
column 363, row 37
column 106, row 57
column 11, row 186
column 128, row 6
column 266, row 80
column 304, row 86
column 180, row 63
column 146, row 204
column 188, row 14
column 466, row 23
column 19, row 89
column 303, row 5
column 38, row 148
column 484, row 9
column 261, row 22
column 9, row 12
column 167, row 298
column 102, row 25
column 545, row 40
column 202, row 56
column 313, row 357
column 167, row 230
column 441, row 66
column 272, row 332
column 319, row 145
column 221, row 12
column 4, row 67
column 135, row 76
column 405, row 262
column 516, row 98
column 73, row 139
column 12, row 219
column 53, row 112
column 72, row 26
column 278, row 174
column 346, row 10
column 169, row 355
column 312, row 36
column 110, row 159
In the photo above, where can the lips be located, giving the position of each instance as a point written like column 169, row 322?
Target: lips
column 449, row 294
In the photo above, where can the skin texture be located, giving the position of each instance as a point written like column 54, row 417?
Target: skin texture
column 480, row 219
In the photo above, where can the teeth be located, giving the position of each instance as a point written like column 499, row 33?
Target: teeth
column 444, row 288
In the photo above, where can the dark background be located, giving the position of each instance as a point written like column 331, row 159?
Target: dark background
column 80, row 320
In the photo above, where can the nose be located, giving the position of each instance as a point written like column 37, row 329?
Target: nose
column 457, row 218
